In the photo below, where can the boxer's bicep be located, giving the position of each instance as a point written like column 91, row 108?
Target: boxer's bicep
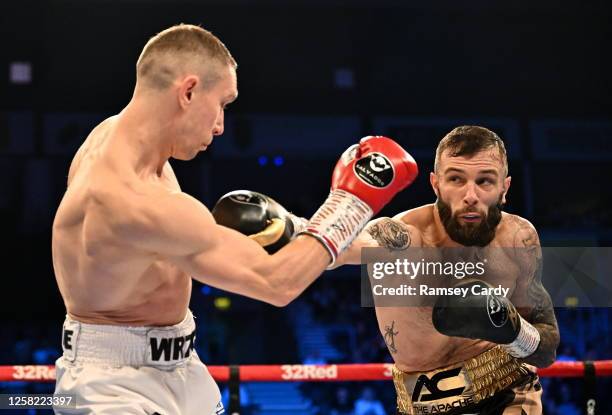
column 528, row 254
column 171, row 224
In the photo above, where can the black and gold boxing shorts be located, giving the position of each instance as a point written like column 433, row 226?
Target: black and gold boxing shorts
column 459, row 387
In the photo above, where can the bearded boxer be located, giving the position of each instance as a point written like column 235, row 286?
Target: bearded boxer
column 126, row 241
column 455, row 357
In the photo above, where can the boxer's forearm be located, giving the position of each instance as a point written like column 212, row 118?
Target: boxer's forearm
column 534, row 302
column 280, row 278
column 297, row 275
column 292, row 269
column 235, row 263
column 542, row 317
column 546, row 352
column 352, row 255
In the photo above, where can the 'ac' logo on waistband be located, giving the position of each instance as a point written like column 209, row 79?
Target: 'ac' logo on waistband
column 432, row 386
column 166, row 349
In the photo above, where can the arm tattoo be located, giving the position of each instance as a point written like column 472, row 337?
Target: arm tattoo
column 542, row 312
column 542, row 317
column 391, row 234
column 390, row 337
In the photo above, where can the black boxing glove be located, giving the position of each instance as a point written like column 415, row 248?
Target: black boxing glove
column 485, row 316
column 259, row 217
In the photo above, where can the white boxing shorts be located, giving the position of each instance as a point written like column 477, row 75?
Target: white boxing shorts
column 134, row 370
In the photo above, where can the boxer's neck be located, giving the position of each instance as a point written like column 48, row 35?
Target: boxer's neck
column 146, row 130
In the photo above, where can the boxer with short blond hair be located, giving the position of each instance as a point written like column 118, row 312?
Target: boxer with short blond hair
column 181, row 48
column 127, row 241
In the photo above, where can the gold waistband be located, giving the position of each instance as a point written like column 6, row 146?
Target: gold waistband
column 458, row 385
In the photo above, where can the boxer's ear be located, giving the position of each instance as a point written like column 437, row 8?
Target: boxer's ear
column 433, row 180
column 505, row 188
column 186, row 89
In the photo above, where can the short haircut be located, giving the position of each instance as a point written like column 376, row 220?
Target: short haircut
column 467, row 140
column 170, row 52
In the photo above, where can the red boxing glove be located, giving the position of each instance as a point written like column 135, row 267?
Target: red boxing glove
column 375, row 170
column 365, row 179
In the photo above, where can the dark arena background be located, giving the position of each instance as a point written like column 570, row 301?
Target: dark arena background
column 314, row 76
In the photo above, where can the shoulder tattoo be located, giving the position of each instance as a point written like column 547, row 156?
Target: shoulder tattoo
column 527, row 246
column 391, row 234
column 525, row 235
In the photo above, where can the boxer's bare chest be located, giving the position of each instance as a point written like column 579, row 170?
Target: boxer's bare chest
column 408, row 331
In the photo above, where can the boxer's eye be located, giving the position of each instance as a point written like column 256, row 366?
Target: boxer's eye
column 485, row 181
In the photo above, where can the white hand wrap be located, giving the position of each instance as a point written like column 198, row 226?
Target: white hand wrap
column 526, row 342
column 338, row 221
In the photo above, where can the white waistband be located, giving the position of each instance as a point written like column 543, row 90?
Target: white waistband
column 161, row 347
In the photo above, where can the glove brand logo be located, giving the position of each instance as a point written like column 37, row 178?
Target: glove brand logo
column 497, row 310
column 432, row 386
column 379, row 163
column 250, row 199
column 375, row 170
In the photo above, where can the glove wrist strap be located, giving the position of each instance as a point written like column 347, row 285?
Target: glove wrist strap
column 526, row 342
column 338, row 221
column 299, row 224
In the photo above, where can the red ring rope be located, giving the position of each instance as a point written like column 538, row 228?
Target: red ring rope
column 302, row 373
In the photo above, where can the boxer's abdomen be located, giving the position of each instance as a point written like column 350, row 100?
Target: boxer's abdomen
column 418, row 346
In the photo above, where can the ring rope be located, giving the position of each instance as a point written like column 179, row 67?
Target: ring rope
column 303, row 373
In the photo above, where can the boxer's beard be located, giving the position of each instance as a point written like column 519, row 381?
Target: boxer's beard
column 470, row 234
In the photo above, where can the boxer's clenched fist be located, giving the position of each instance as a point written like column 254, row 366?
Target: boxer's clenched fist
column 365, row 179
column 374, row 170
column 488, row 317
column 259, row 217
